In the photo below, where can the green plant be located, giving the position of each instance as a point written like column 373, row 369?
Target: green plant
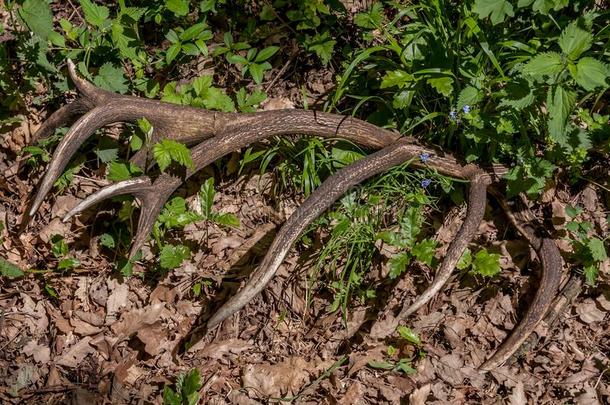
column 589, row 251
column 186, row 391
column 59, row 248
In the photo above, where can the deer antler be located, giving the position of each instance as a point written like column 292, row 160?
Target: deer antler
column 217, row 134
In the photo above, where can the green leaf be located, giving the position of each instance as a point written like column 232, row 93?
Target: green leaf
column 168, row 151
column 573, row 40
column 591, row 74
column 257, row 72
column 486, row 264
column 194, row 31
column 94, row 14
column 8, row 269
column 36, row 15
column 573, row 212
column 371, row 18
column 172, row 256
column 191, row 384
column 497, row 10
column 560, row 103
column 107, row 240
column 383, row 365
column 119, row 171
column 266, row 53
column 172, row 52
column 111, row 78
column 409, row 335
column 67, row 263
column 543, row 65
column 322, row 45
column 424, row 251
column 519, row 94
column 170, row 397
column 468, row 96
column 465, row 261
column 178, row 7
column 597, row 249
column 227, row 219
column 444, row 85
column 398, row 78
column 398, row 264
column 591, row 271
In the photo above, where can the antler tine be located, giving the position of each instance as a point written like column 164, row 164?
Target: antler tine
column 475, row 211
column 550, row 280
column 130, row 186
column 84, row 127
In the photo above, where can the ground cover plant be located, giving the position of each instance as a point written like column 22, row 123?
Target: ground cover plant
column 519, row 84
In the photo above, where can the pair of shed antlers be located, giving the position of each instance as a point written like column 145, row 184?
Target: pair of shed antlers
column 213, row 135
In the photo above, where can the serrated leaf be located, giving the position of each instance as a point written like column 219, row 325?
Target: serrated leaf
column 543, row 65
column 8, row 269
column 111, row 78
column 486, row 264
column 94, row 14
column 573, row 40
column 591, row 74
column 424, row 251
column 322, row 45
column 468, row 96
column 398, row 264
column 37, row 16
column 168, row 151
column 444, row 85
column 591, row 271
column 560, row 103
column 191, row 383
column 497, row 10
column 519, row 94
column 172, row 256
column 597, row 249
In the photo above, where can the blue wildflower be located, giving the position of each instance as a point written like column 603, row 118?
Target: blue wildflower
column 466, row 109
column 425, row 183
column 424, row 157
column 453, row 115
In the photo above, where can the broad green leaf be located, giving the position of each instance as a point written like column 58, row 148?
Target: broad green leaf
column 371, row 18
column 591, row 271
column 193, row 32
column 266, row 53
column 597, row 249
column 111, row 78
column 108, row 241
column 8, row 269
column 192, row 383
column 119, row 171
column 591, row 74
column 398, row 264
column 465, row 261
column 573, row 40
column 172, row 52
column 497, row 10
column 178, row 7
column 544, row 65
column 560, row 104
column 573, row 212
column 94, row 14
column 468, row 96
column 409, row 335
column 383, row 365
column 172, row 256
column 36, row 15
column 398, row 78
column 444, row 85
column 257, row 72
column 170, row 397
column 168, row 151
column 486, row 264
column 67, row 263
column 519, row 94
column 424, row 251
column 227, row 219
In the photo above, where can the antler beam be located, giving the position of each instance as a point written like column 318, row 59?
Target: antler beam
column 216, row 134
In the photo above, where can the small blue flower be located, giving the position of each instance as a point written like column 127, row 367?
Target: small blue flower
column 425, row 183
column 466, row 109
column 453, row 115
column 424, row 157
